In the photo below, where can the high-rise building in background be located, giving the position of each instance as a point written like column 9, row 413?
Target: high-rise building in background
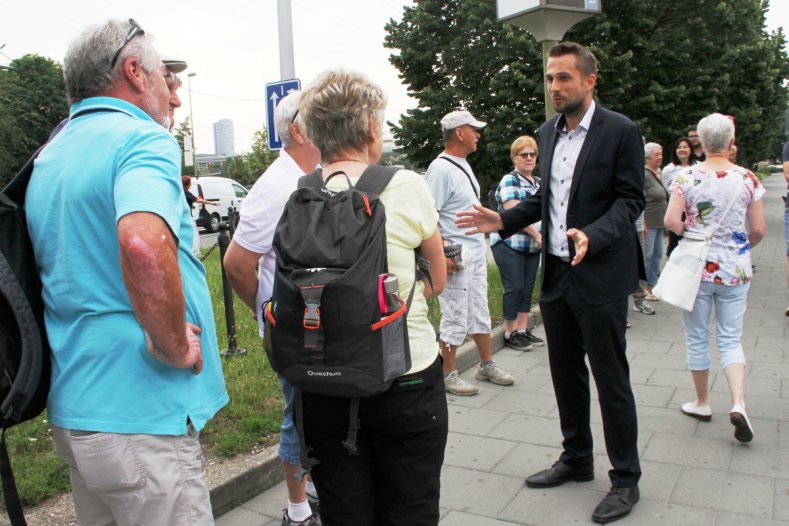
column 223, row 138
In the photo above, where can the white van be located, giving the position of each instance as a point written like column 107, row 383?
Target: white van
column 226, row 192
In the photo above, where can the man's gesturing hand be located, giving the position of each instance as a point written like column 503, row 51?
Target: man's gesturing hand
column 479, row 220
column 581, row 243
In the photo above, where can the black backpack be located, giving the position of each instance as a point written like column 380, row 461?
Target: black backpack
column 326, row 331
column 24, row 349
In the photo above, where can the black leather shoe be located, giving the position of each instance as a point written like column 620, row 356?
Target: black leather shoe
column 560, row 473
column 615, row 505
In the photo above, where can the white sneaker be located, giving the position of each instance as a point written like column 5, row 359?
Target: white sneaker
column 456, row 385
column 494, row 373
column 702, row 412
column 743, row 431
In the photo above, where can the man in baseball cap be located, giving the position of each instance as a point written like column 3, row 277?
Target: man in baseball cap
column 464, row 301
column 173, row 66
column 456, row 119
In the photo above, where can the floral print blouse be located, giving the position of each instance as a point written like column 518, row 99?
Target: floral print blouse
column 707, row 194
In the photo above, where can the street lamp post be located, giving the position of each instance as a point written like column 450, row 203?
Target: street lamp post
column 192, row 120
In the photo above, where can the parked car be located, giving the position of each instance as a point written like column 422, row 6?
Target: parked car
column 227, row 193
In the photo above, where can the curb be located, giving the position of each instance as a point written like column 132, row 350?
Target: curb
column 266, row 471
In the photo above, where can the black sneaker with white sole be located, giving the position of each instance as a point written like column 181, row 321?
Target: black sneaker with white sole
column 532, row 339
column 518, row 341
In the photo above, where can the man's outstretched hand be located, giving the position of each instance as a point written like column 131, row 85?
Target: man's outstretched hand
column 479, row 220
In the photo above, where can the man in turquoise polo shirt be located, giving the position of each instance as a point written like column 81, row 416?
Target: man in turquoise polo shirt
column 135, row 366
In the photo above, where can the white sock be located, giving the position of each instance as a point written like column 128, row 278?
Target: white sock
column 299, row 512
column 311, row 489
column 507, row 334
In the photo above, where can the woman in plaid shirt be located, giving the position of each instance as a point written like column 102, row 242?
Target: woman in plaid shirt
column 519, row 255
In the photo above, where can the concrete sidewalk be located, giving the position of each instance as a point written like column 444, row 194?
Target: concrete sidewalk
column 694, row 473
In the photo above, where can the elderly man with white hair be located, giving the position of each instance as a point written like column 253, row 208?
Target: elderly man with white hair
column 136, row 372
column 250, row 264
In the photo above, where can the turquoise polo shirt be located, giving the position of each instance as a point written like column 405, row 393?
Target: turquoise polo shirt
column 110, row 160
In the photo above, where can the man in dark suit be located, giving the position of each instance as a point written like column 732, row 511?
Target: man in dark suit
column 592, row 165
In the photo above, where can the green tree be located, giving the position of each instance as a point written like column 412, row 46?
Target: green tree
column 260, row 157
column 32, row 103
column 454, row 54
column 246, row 168
column 665, row 64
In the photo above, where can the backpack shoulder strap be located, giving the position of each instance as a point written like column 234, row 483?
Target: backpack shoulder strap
column 375, row 178
column 311, row 180
column 18, row 186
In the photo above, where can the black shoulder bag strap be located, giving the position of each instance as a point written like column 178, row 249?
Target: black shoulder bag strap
column 473, row 188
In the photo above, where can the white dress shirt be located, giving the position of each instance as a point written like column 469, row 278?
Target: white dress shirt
column 565, row 155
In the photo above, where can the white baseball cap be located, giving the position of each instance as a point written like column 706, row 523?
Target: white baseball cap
column 456, row 119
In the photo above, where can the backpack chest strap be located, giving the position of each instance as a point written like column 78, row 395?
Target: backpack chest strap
column 313, row 331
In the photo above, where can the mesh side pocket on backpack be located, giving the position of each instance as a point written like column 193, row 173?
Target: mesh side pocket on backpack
column 394, row 345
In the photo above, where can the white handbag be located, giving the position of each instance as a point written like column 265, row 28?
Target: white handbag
column 680, row 279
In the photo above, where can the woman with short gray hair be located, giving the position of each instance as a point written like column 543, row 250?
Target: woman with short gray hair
column 395, row 479
column 704, row 192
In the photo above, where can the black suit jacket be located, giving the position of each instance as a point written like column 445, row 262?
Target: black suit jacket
column 606, row 198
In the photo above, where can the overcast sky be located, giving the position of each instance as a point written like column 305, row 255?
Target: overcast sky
column 232, row 47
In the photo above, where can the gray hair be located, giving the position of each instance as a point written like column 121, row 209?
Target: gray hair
column 650, row 147
column 335, row 110
column 715, row 132
column 86, row 68
column 448, row 134
column 284, row 114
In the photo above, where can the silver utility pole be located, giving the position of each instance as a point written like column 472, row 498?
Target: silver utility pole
column 287, row 69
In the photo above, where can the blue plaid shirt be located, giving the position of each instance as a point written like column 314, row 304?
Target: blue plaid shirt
column 515, row 186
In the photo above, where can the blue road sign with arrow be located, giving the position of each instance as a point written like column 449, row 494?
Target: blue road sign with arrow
column 275, row 91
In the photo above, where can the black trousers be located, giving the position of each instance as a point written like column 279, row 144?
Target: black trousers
column 576, row 329
column 395, row 480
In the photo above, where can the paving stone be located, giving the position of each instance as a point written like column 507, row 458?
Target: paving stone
column 473, row 421
column 658, row 362
column 456, row 518
column 757, row 458
column 652, row 395
column 478, row 400
column 566, row 504
column 473, row 452
column 529, row 429
column 269, row 503
column 781, row 504
column 725, row 491
column 727, row 518
column 783, row 435
column 770, row 370
column 526, row 459
column 765, row 432
column 767, row 387
column 688, row 451
column 477, row 492
column 665, row 420
column 671, row 377
column 534, row 404
column 244, row 517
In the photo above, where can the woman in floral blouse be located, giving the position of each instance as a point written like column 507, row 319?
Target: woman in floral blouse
column 703, row 192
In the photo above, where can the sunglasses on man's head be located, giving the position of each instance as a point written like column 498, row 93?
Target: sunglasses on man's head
column 134, row 31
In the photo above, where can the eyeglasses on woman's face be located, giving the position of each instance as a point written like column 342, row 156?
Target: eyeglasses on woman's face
column 526, row 155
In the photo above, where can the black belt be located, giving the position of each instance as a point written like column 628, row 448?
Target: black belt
column 563, row 259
